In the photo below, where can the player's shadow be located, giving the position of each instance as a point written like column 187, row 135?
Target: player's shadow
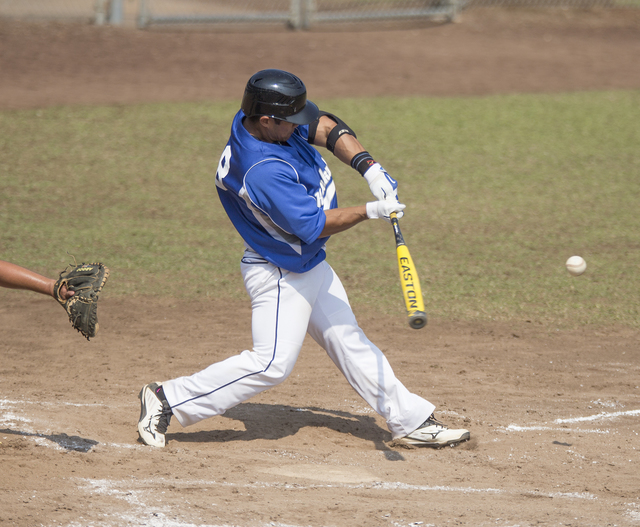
column 273, row 422
column 71, row 443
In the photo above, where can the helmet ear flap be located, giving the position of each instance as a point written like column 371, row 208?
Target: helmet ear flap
column 278, row 94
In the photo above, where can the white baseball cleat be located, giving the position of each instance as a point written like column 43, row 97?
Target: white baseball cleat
column 155, row 414
column 433, row 433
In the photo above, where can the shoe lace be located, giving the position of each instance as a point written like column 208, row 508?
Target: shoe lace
column 165, row 414
column 432, row 421
column 165, row 418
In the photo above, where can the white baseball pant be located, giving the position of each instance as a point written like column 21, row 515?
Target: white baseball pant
column 285, row 306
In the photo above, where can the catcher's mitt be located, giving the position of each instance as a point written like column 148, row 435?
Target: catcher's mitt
column 86, row 281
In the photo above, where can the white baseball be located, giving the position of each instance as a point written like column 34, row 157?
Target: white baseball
column 576, row 265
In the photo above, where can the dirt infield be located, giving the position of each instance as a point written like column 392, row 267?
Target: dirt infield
column 487, row 52
column 554, row 415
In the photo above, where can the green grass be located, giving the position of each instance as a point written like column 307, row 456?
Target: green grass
column 500, row 192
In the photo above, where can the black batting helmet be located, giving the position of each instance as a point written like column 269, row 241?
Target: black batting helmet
column 278, row 94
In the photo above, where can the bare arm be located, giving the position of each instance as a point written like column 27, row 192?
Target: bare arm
column 346, row 147
column 339, row 220
column 340, row 139
column 13, row 276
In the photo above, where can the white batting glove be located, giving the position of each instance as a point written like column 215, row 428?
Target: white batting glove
column 383, row 208
column 382, row 185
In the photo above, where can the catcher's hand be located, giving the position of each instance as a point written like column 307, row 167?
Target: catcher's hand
column 86, row 281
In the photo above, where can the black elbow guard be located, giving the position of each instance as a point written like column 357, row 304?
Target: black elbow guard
column 337, row 132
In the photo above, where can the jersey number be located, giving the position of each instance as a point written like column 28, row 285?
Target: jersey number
column 223, row 167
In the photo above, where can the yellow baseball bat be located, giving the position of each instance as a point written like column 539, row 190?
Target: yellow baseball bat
column 409, row 280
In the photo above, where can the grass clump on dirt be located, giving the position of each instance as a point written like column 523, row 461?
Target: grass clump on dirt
column 500, row 191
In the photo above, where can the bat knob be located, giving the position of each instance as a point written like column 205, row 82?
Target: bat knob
column 418, row 320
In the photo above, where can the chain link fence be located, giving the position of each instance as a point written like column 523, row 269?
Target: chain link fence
column 298, row 14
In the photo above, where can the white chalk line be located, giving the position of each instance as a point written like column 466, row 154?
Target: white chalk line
column 51, row 403
column 57, row 441
column 104, row 486
column 136, row 491
column 598, row 417
column 12, row 418
column 158, row 518
column 602, row 416
column 633, row 512
column 539, row 428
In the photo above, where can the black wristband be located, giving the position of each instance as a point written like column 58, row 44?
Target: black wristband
column 362, row 162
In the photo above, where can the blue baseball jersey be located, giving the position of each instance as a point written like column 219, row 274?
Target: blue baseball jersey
column 275, row 195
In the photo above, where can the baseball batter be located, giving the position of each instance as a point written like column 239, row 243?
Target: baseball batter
column 279, row 194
